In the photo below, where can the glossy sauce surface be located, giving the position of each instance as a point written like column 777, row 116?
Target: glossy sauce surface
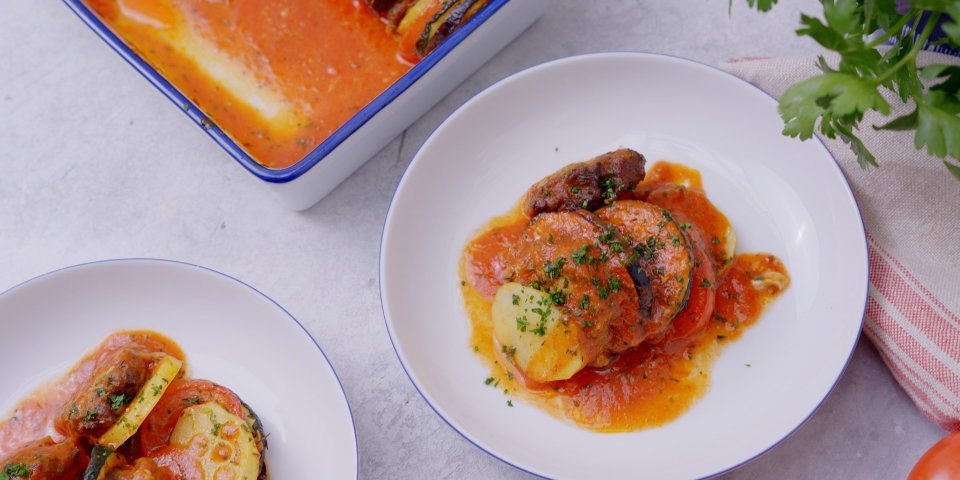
column 33, row 417
column 651, row 384
column 278, row 76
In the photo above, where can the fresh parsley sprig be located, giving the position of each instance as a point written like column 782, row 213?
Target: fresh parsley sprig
column 835, row 101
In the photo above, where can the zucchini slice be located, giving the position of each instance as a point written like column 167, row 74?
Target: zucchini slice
column 164, row 372
column 102, row 460
column 233, row 450
column 534, row 336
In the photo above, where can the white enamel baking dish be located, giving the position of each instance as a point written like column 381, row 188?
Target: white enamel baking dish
column 317, row 173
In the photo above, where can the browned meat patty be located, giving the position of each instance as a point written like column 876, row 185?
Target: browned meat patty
column 586, row 185
column 571, row 255
column 660, row 248
column 101, row 402
column 45, row 460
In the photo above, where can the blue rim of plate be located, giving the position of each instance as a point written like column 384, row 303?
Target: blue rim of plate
column 636, row 54
column 325, row 147
column 343, row 392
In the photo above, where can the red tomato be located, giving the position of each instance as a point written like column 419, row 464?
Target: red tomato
column 941, row 462
column 156, row 429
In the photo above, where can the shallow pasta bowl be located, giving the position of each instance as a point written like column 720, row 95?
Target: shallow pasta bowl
column 782, row 196
column 231, row 334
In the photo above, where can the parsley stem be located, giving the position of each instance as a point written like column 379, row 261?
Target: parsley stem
column 895, row 29
column 912, row 54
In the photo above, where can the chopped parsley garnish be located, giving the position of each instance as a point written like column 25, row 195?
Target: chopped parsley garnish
column 516, row 299
column 580, row 255
column 552, row 269
column 118, row 401
column 715, row 241
column 15, row 470
column 575, row 190
column 586, row 323
column 541, row 328
column 675, row 240
column 609, row 193
column 705, row 283
column 558, row 298
column 606, row 237
column 522, row 323
column 666, row 214
column 509, row 403
column 585, row 301
column 90, row 416
column 191, row 401
column 488, row 381
column 613, row 283
column 685, row 225
column 156, row 389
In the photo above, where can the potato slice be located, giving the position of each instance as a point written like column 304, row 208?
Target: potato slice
column 534, row 334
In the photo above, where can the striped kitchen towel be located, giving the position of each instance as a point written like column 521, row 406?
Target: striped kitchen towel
column 911, row 209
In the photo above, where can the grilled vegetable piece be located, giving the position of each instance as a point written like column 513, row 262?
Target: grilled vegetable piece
column 414, row 11
column 165, row 371
column 691, row 205
column 586, row 185
column 101, row 402
column 572, row 258
column 102, row 460
column 222, row 443
column 45, row 460
column 451, row 16
column 534, row 335
column 158, row 428
column 661, row 250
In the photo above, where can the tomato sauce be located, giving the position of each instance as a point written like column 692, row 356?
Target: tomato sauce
column 651, row 384
column 33, row 418
column 278, row 76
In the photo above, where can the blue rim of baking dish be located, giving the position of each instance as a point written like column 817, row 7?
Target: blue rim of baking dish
column 343, row 392
column 325, row 147
column 463, row 434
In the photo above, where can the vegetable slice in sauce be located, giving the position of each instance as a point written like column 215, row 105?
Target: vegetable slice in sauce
column 656, row 381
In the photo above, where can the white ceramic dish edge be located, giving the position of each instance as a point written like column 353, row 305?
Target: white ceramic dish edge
column 431, row 402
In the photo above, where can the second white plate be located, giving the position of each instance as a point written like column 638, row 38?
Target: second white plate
column 783, row 196
column 231, row 333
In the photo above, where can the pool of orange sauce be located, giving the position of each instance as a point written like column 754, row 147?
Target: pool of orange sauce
column 648, row 385
column 33, row 417
column 304, row 67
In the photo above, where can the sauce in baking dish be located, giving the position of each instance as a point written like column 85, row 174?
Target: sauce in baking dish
column 278, row 76
column 657, row 380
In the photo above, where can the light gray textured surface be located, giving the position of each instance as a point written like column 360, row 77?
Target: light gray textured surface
column 97, row 164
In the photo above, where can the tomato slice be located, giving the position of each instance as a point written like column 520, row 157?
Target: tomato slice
column 156, row 429
column 700, row 305
column 941, row 462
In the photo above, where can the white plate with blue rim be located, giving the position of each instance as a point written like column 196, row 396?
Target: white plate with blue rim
column 231, row 333
column 782, row 196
